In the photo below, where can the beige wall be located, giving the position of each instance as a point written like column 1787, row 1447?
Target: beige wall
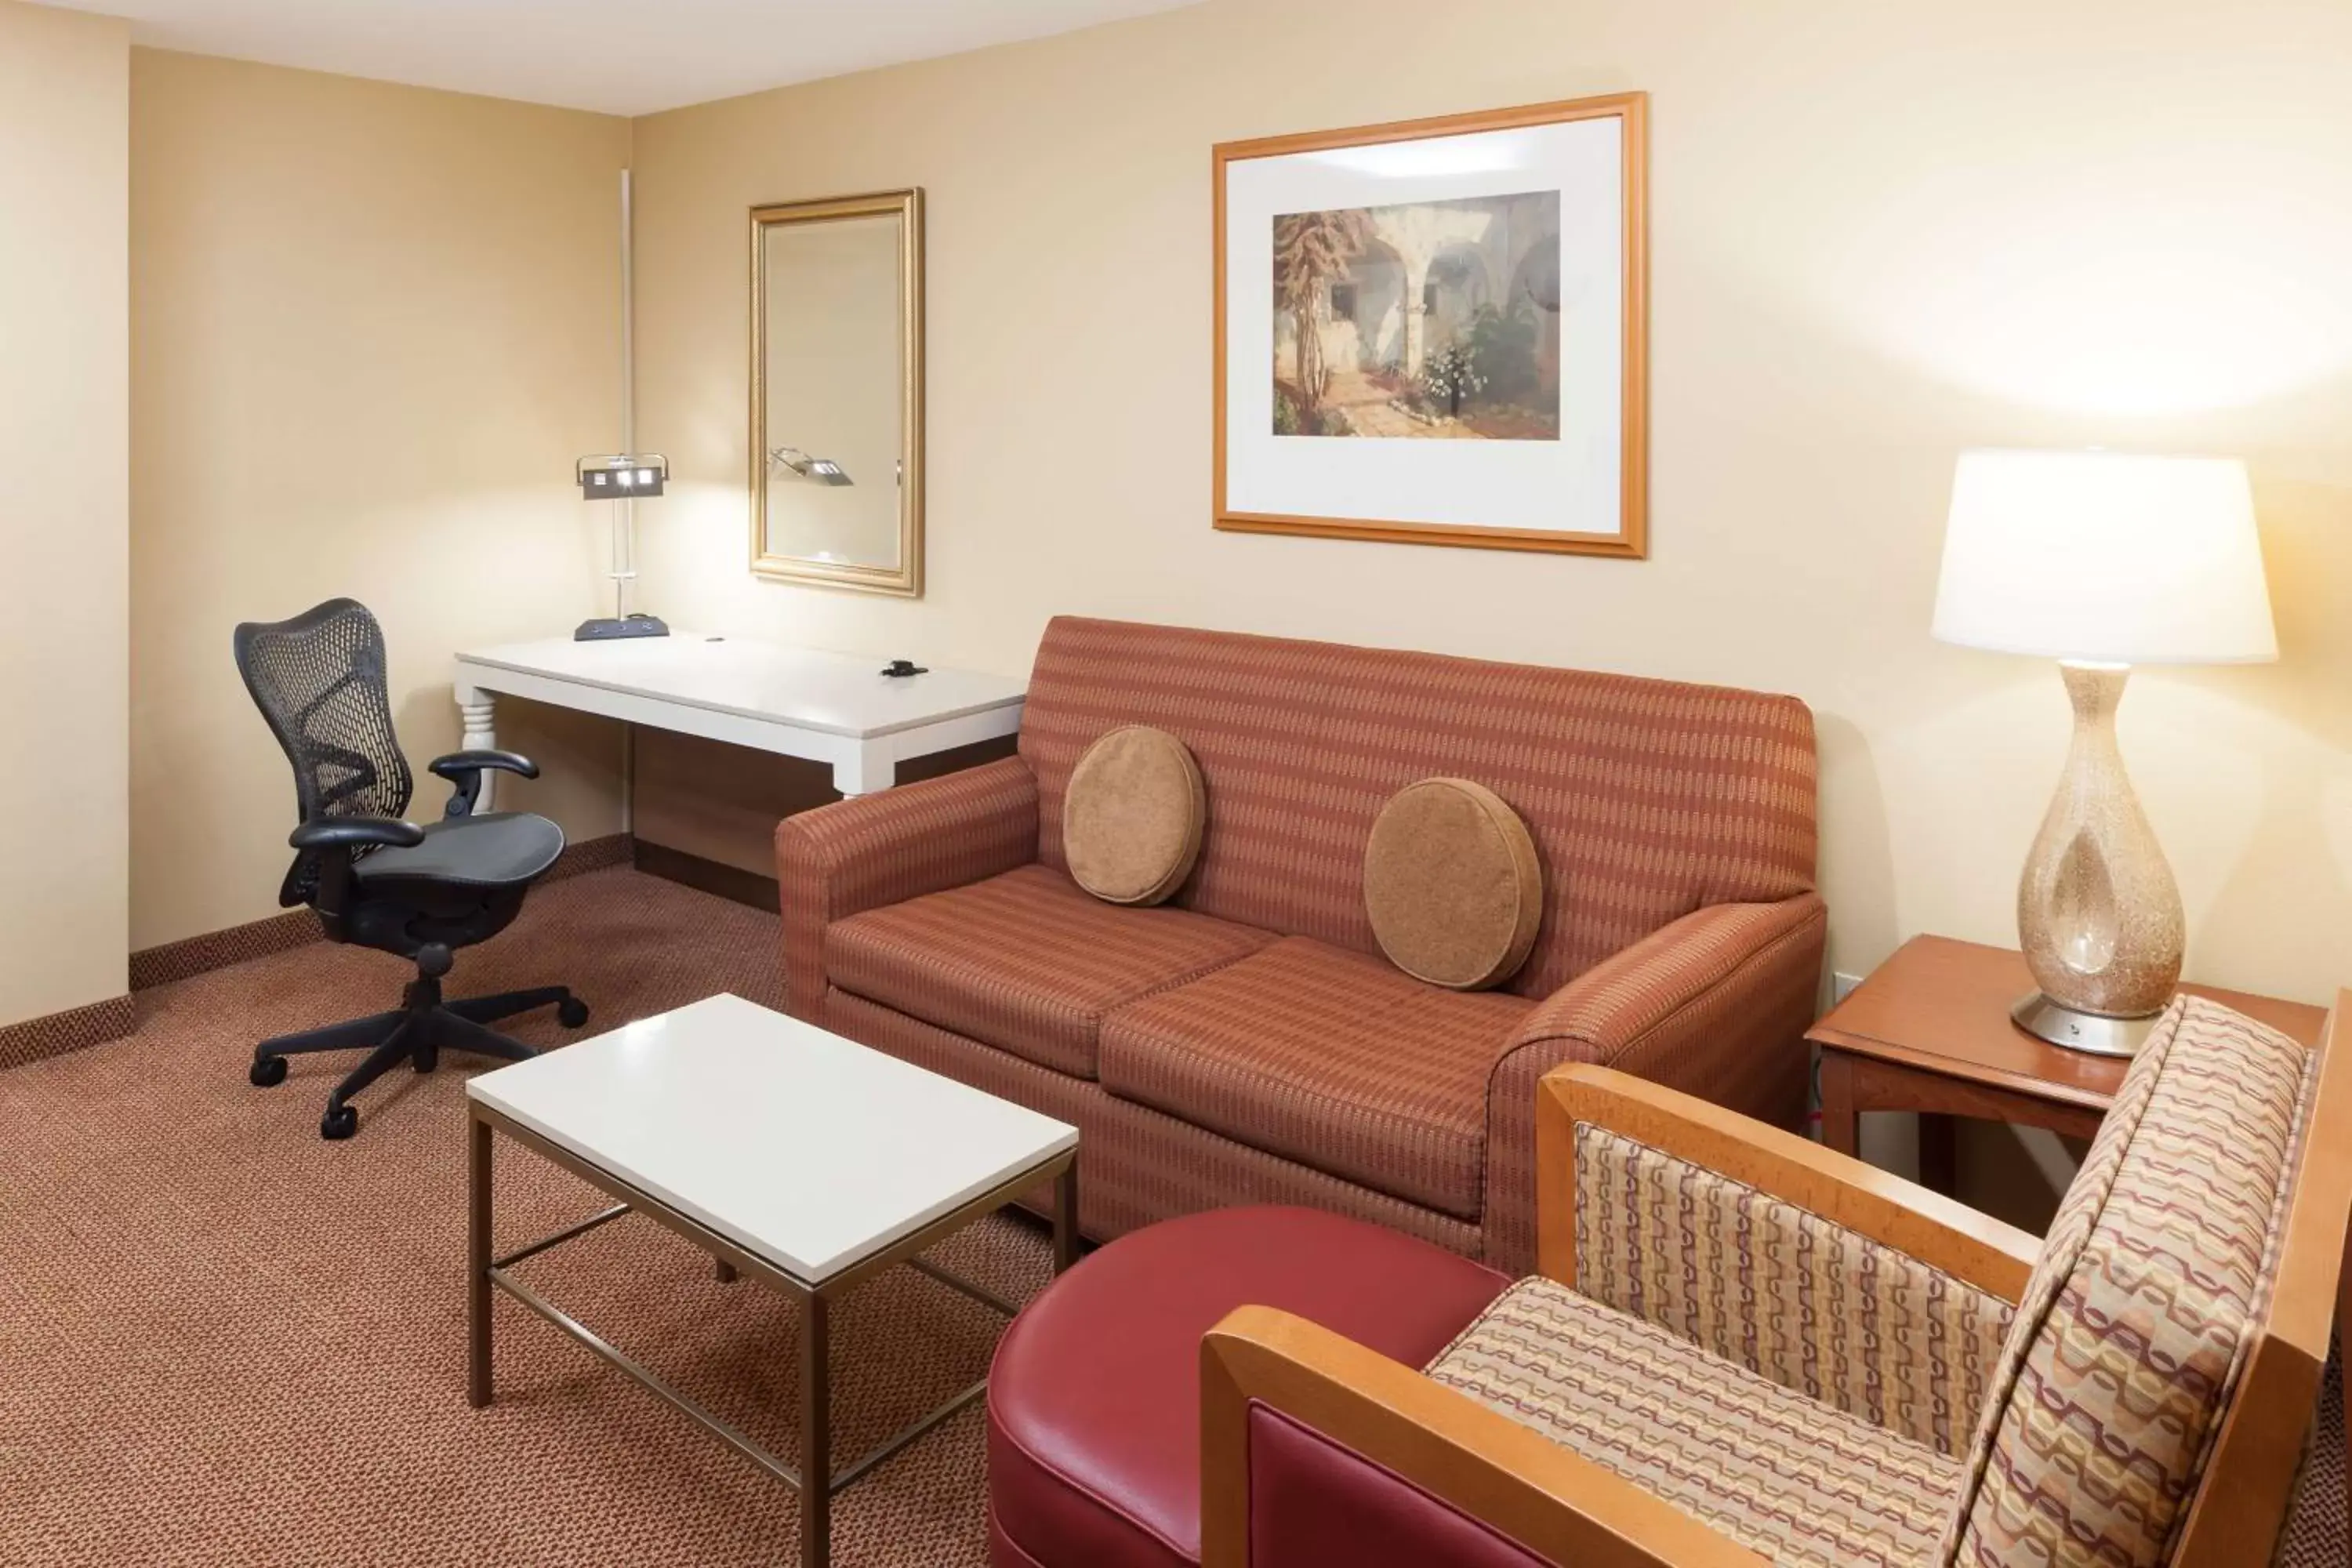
column 64, row 528
column 1881, row 234
column 374, row 326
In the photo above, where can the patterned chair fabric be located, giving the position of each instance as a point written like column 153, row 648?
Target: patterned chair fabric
column 1788, row 1478
column 1816, row 1308
column 1803, row 1388
column 2127, row 1345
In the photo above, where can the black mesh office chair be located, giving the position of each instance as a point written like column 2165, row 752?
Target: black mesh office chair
column 380, row 881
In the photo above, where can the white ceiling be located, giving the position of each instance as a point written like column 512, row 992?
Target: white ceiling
column 620, row 57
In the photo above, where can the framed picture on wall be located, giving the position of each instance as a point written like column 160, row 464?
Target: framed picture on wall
column 1436, row 332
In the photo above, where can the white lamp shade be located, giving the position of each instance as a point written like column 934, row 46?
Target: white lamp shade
column 2105, row 557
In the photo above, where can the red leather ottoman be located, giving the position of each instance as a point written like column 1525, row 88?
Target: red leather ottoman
column 1093, row 1403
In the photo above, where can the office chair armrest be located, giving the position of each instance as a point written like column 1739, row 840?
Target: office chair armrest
column 354, row 833
column 464, row 770
column 324, row 849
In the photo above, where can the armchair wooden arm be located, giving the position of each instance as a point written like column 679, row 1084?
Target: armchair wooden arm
column 1480, row 1464
column 1947, row 1236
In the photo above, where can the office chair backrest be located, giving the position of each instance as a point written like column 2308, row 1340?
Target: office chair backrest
column 319, row 679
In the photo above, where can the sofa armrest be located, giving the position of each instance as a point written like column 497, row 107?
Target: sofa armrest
column 1716, row 1002
column 1304, row 1432
column 885, row 848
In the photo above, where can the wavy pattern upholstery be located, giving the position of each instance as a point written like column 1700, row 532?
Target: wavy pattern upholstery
column 1647, row 799
column 2129, row 1339
column 1783, row 1475
column 1813, row 1306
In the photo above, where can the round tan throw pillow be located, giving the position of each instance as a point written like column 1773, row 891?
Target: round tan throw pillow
column 1452, row 884
column 1132, row 818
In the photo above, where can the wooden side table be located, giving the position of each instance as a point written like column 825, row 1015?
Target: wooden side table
column 1929, row 1032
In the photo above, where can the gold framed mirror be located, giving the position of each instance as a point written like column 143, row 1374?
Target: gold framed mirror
column 837, row 391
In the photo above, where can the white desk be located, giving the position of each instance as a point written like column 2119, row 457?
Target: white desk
column 796, row 702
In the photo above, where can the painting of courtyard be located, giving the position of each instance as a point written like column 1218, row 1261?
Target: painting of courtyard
column 1423, row 320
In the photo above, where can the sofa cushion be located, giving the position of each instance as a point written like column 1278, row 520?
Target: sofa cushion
column 1790, row 1480
column 1452, row 884
column 1094, row 1402
column 2132, row 1331
column 1133, row 815
column 1026, row 961
column 1333, row 1058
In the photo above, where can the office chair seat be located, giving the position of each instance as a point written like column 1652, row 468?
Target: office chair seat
column 497, row 851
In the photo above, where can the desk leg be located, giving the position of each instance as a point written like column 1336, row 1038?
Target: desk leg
column 874, row 767
column 478, row 1262
column 816, row 1435
column 1840, row 1124
column 475, row 709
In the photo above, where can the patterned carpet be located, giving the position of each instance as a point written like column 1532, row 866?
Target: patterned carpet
column 225, row 1341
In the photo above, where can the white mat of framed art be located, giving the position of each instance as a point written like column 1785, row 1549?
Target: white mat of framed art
column 1436, row 332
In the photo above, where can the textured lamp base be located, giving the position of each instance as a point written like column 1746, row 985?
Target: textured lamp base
column 2090, row 1032
column 2097, row 912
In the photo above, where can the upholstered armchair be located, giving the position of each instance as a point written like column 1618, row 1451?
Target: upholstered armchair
column 1741, row 1347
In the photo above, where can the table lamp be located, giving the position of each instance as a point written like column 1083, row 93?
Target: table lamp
column 2101, row 561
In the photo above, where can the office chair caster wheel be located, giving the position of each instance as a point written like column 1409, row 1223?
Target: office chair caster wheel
column 266, row 1072
column 340, row 1121
column 571, row 1012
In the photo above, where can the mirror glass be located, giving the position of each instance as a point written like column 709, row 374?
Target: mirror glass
column 837, row 392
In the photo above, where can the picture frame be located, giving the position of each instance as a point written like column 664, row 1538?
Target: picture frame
column 1466, row 298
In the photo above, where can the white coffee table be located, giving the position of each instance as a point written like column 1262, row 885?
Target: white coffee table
column 786, row 1153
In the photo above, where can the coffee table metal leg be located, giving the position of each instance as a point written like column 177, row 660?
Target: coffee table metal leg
column 478, row 1261
column 816, row 1435
column 1065, row 1217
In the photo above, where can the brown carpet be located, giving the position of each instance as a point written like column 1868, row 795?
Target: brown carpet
column 225, row 1341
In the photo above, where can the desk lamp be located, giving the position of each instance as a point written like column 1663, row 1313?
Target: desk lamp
column 624, row 476
column 2101, row 561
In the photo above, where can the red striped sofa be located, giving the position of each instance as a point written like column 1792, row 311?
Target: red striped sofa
column 1247, row 1042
